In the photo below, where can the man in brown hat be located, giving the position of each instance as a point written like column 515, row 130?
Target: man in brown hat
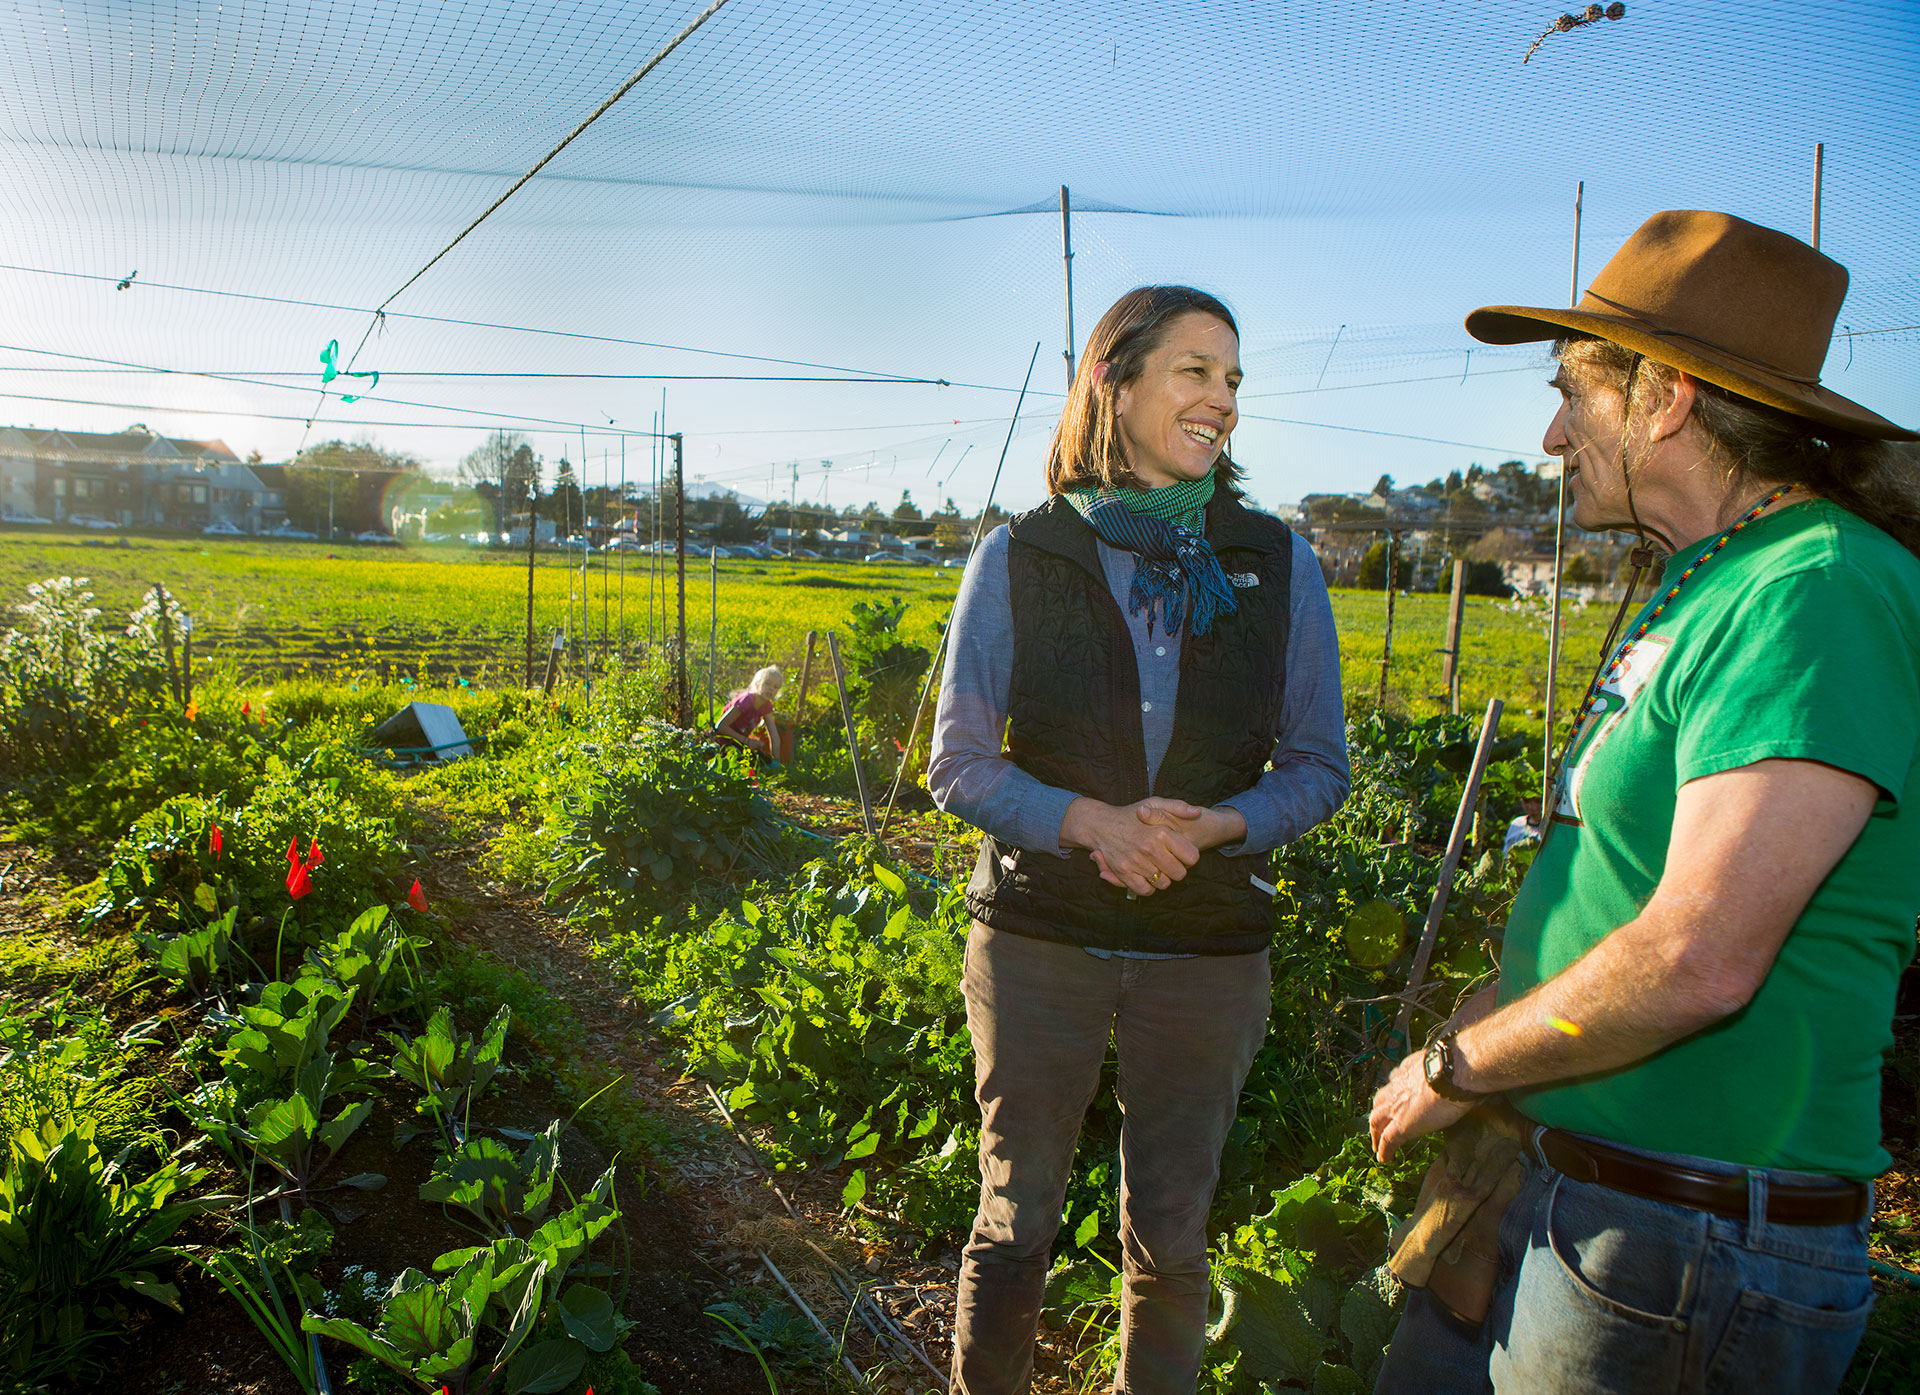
column 1698, row 975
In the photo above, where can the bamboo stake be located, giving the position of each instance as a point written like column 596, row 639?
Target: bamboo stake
column 978, row 528
column 853, row 739
column 801, row 1304
column 1443, row 884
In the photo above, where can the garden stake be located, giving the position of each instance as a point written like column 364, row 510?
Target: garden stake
column 1443, row 884
column 853, row 739
column 926, row 687
column 713, row 624
column 806, row 680
column 812, row 1317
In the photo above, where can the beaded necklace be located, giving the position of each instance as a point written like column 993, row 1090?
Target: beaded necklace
column 1601, row 678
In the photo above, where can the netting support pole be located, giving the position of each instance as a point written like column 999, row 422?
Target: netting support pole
column 1066, row 263
column 713, row 625
column 532, row 514
column 1559, row 555
column 1819, row 168
column 682, row 714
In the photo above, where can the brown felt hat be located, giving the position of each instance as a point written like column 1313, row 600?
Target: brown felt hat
column 1738, row 305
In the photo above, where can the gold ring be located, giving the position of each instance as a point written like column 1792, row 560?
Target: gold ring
column 1154, row 875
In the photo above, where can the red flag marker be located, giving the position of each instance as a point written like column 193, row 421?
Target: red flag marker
column 416, row 897
column 214, row 842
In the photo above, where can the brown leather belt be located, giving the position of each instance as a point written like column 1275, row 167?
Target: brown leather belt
column 1788, row 1203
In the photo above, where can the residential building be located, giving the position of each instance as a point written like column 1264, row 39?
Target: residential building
column 130, row 478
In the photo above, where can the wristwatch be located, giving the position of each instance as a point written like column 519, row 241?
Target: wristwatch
column 1438, row 1065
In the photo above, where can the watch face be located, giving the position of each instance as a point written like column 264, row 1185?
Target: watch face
column 1435, row 1064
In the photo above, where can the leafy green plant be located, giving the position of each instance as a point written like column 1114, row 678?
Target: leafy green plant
column 362, row 958
column 279, row 1082
column 832, row 1017
column 78, row 1236
column 483, row 1178
column 470, row 1330
column 1307, row 1300
column 452, row 1070
column 59, row 1061
column 885, row 678
column 196, row 960
column 657, row 819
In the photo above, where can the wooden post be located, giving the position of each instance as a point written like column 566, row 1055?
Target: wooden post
column 186, row 658
column 853, row 738
column 1456, row 612
column 806, row 680
column 555, row 648
column 1386, row 648
column 1443, row 884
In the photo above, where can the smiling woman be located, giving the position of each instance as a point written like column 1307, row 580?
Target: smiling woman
column 1147, row 645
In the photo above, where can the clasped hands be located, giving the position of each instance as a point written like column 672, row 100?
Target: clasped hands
column 1148, row 846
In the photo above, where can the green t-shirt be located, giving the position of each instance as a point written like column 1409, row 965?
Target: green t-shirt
column 1800, row 640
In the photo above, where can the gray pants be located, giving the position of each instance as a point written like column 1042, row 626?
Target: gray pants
column 1185, row 1032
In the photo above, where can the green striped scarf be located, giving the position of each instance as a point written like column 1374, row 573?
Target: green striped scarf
column 1184, row 503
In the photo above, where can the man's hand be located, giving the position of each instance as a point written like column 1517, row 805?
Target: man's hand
column 1143, row 857
column 1204, row 828
column 1406, row 1108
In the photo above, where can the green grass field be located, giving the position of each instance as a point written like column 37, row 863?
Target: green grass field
column 268, row 609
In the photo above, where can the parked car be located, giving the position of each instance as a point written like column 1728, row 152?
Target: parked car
column 806, row 554
column 918, row 559
column 374, row 535
column 21, row 516
column 87, row 520
column 287, row 530
column 954, row 562
column 220, row 528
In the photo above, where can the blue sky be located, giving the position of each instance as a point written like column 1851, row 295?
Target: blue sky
column 825, row 183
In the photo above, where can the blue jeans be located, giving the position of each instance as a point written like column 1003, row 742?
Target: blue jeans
column 1601, row 1293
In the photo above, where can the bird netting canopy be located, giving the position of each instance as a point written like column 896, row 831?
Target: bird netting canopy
column 871, row 191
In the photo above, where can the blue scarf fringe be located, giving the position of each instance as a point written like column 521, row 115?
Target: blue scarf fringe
column 1176, row 566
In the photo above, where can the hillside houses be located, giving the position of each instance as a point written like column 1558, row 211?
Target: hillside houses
column 134, row 478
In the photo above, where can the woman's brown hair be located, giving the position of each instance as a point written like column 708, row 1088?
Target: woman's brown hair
column 1756, row 445
column 1087, row 452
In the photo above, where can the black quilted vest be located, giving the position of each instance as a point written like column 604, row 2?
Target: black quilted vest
column 1074, row 723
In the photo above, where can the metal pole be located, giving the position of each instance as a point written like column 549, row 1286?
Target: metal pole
column 1443, row 884
column 532, row 498
column 586, row 635
column 681, row 713
column 1559, row 546
column 1066, row 263
column 853, row 740
column 713, row 625
column 1819, row 166
column 623, row 551
column 933, row 668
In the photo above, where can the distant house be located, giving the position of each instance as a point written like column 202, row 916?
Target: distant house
column 131, row 478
